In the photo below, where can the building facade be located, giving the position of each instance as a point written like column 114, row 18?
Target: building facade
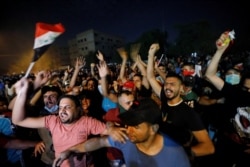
column 87, row 43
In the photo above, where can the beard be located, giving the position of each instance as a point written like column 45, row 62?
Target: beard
column 72, row 119
column 65, row 118
column 170, row 94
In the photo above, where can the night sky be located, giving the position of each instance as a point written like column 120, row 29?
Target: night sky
column 125, row 18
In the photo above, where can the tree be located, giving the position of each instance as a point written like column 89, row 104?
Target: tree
column 194, row 37
column 147, row 38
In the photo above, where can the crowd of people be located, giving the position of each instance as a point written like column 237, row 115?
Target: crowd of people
column 177, row 112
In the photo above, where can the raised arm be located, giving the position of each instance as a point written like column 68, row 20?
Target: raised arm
column 80, row 63
column 66, row 74
column 103, row 72
column 42, row 77
column 150, row 69
column 124, row 55
column 213, row 66
column 18, row 112
column 134, row 54
column 38, row 94
column 143, row 71
column 35, row 98
column 156, row 67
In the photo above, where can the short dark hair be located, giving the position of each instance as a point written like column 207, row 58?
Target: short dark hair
column 174, row 75
column 86, row 94
column 94, row 80
column 53, row 88
column 74, row 98
column 161, row 65
column 126, row 92
column 192, row 65
column 138, row 75
column 77, row 102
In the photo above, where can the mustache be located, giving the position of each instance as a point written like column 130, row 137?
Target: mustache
column 168, row 90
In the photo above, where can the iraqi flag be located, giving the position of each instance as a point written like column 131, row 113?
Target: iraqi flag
column 45, row 35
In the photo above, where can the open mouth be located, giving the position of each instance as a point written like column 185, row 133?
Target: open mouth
column 244, row 122
column 242, row 119
column 63, row 115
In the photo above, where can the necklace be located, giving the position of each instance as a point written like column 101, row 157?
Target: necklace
column 164, row 116
column 176, row 104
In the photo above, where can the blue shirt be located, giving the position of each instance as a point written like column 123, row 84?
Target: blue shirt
column 107, row 104
column 13, row 155
column 5, row 127
column 171, row 155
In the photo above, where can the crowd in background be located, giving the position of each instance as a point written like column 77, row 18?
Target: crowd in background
column 212, row 123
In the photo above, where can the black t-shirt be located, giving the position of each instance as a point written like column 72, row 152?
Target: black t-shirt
column 210, row 114
column 143, row 92
column 181, row 118
column 236, row 112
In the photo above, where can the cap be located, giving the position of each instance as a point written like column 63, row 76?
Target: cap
column 146, row 110
column 128, row 85
column 51, row 88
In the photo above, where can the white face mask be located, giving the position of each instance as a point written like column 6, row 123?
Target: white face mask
column 233, row 79
column 52, row 109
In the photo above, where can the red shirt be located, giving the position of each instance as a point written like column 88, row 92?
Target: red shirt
column 112, row 116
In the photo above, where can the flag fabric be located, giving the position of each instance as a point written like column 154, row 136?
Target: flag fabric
column 45, row 35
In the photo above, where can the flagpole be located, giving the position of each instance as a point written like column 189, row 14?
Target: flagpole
column 45, row 35
column 29, row 69
column 160, row 59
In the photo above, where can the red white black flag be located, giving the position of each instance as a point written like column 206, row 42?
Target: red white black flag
column 45, row 35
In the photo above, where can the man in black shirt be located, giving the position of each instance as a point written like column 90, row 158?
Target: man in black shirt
column 178, row 117
column 232, row 146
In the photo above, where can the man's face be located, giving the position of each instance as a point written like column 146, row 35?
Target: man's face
column 85, row 104
column 50, row 99
column 187, row 70
column 137, row 81
column 67, row 111
column 162, row 69
column 186, row 89
column 126, row 101
column 139, row 133
column 232, row 71
column 90, row 85
column 172, row 87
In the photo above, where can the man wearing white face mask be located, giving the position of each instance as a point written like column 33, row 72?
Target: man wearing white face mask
column 233, row 132
column 232, row 76
column 49, row 96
